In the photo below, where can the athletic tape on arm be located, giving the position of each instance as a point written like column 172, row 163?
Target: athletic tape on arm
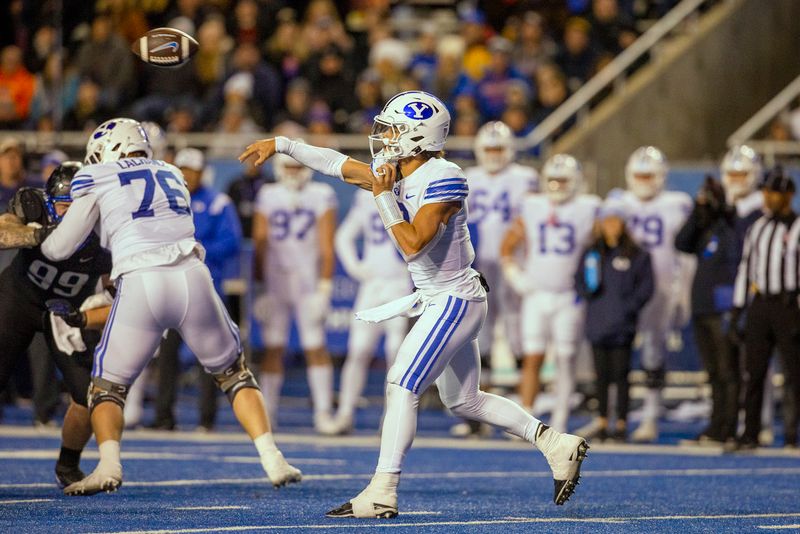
column 323, row 160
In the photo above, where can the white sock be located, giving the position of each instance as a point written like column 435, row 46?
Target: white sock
column 652, row 404
column 109, row 454
column 353, row 379
column 500, row 412
column 565, row 385
column 399, row 428
column 320, row 382
column 270, row 384
column 265, row 445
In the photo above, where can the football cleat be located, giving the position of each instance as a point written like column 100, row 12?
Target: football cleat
column 279, row 471
column 107, row 479
column 379, row 511
column 67, row 475
column 565, row 454
column 377, row 501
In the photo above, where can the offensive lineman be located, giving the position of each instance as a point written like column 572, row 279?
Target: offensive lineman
column 293, row 230
column 32, row 281
column 497, row 186
column 656, row 218
column 383, row 277
column 555, row 227
column 420, row 197
column 142, row 207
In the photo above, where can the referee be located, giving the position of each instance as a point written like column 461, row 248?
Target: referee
column 767, row 285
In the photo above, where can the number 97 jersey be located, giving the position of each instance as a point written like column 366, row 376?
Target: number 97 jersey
column 144, row 208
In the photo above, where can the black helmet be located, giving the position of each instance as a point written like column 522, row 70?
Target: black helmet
column 58, row 185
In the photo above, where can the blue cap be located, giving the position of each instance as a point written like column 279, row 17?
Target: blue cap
column 55, row 157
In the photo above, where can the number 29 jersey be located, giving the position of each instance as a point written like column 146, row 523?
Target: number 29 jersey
column 557, row 235
column 145, row 219
column 292, row 217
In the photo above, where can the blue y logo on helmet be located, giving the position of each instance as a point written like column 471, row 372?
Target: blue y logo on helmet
column 418, row 110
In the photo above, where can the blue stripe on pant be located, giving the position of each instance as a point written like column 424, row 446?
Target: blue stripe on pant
column 100, row 351
column 428, row 353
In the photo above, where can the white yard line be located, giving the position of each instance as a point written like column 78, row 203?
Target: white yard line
column 26, row 501
column 780, row 527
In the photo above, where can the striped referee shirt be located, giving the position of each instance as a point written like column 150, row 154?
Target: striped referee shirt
column 770, row 259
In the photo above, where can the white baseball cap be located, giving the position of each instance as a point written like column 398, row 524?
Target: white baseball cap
column 190, row 158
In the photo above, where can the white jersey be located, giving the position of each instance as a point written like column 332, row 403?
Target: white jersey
column 445, row 264
column 145, row 218
column 653, row 224
column 292, row 216
column 494, row 201
column 379, row 257
column 556, row 235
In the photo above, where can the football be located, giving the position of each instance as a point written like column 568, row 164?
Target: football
column 165, row 47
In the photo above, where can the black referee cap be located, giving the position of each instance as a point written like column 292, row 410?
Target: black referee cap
column 778, row 180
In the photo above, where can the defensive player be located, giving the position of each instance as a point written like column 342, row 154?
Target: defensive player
column 30, row 282
column 142, row 209
column 383, row 277
column 293, row 230
column 656, row 218
column 420, row 197
column 555, row 228
column 497, row 187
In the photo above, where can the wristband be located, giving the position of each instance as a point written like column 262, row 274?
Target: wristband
column 388, row 209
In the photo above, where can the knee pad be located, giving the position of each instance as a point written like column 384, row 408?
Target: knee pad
column 235, row 378
column 654, row 379
column 102, row 390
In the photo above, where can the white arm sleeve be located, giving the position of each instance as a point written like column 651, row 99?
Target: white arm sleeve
column 323, row 160
column 345, row 242
column 73, row 229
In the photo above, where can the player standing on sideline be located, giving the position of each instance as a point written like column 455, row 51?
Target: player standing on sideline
column 142, row 207
column 421, row 200
column 497, row 187
column 656, row 218
column 555, row 227
column 293, row 228
column 31, row 282
column 383, row 277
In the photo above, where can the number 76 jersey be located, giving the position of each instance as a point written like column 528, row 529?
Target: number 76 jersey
column 145, row 219
column 556, row 236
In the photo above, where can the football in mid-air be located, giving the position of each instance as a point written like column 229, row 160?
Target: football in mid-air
column 165, row 47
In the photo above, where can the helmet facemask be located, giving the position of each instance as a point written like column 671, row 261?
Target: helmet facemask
column 385, row 139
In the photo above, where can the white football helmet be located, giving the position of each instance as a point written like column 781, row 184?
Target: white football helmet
column 646, row 161
column 740, row 170
column 290, row 172
column 563, row 177
column 494, row 135
column 157, row 138
column 116, row 138
column 410, row 123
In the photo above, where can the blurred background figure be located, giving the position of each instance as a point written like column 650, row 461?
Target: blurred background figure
column 615, row 278
column 293, row 232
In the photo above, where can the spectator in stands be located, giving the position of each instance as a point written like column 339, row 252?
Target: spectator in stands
column 213, row 53
column 88, row 111
column 608, row 23
column 517, row 117
column 552, row 86
column 320, row 119
column 449, row 58
column 616, row 280
column 283, row 47
column 576, row 57
column 195, row 11
column 390, row 58
column 491, row 89
column 332, row 82
column 181, row 118
column 16, row 88
column 475, row 32
column 297, row 104
column 235, row 120
column 243, row 191
column 49, row 162
column 423, row 63
column 12, row 171
column 323, row 27
column 163, row 87
column 370, row 102
column 247, row 24
column 106, row 59
column 43, row 44
column 54, row 87
column 532, row 47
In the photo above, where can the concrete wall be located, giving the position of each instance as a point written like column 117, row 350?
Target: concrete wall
column 700, row 89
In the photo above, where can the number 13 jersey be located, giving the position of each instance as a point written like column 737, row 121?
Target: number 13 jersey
column 556, row 235
column 145, row 219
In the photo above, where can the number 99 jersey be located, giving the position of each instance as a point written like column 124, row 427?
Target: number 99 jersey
column 145, row 217
column 293, row 247
column 654, row 223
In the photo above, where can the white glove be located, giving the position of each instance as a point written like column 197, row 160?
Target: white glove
column 515, row 277
column 98, row 300
column 320, row 301
column 68, row 339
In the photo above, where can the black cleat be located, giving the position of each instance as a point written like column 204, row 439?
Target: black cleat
column 382, row 511
column 565, row 488
column 66, row 475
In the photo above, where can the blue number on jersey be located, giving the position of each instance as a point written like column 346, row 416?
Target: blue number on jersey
column 163, row 177
column 479, row 209
column 649, row 230
column 377, row 233
column 563, row 235
column 281, row 223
